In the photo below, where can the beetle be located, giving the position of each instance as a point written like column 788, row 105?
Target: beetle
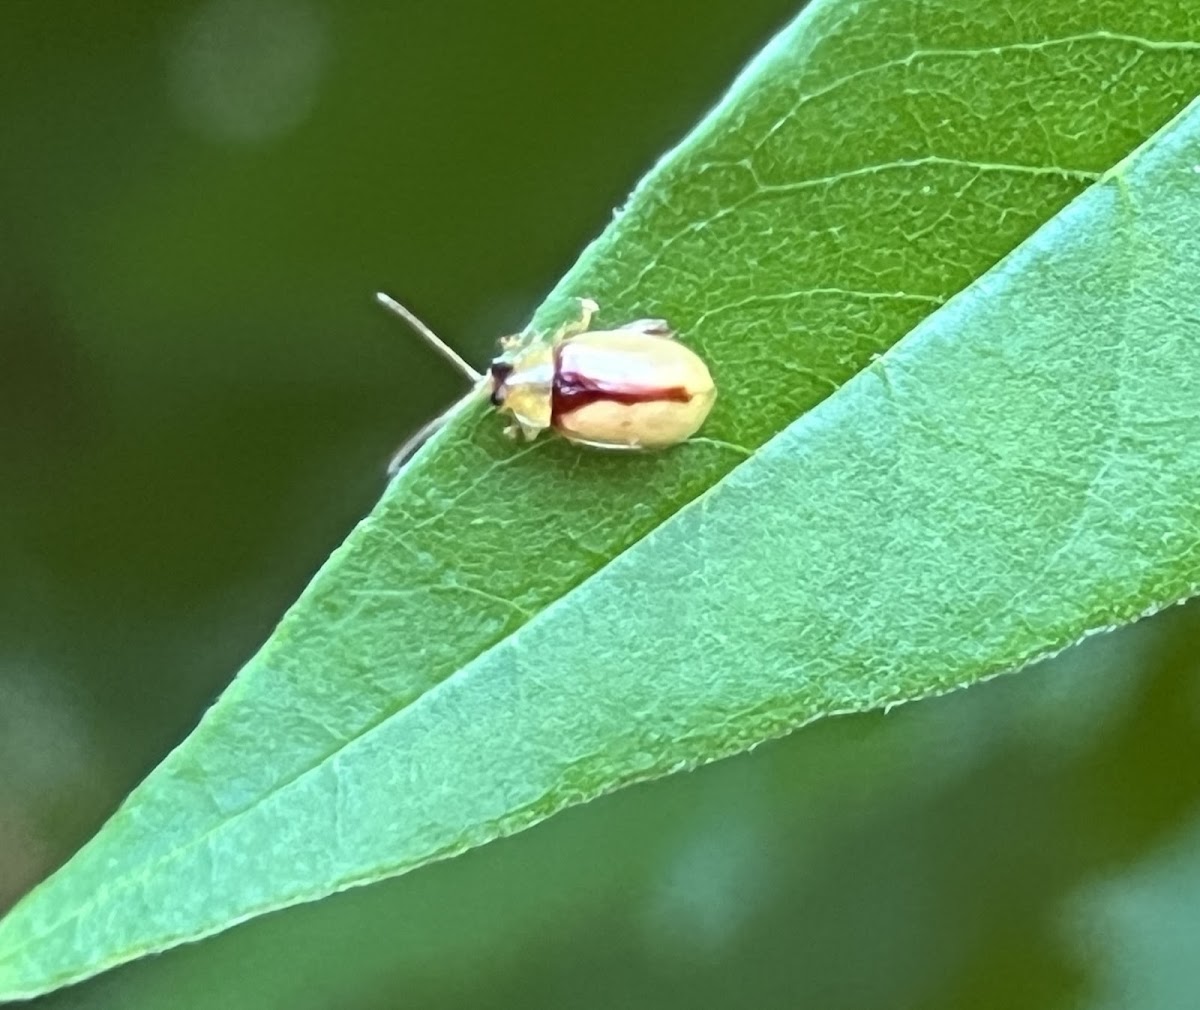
column 630, row 388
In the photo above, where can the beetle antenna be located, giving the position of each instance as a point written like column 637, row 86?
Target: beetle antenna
column 431, row 338
column 421, row 436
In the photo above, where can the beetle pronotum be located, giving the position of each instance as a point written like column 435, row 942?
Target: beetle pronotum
column 629, row 388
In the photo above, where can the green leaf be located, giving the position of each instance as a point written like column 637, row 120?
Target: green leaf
column 516, row 630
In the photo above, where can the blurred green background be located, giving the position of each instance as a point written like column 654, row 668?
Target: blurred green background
column 197, row 397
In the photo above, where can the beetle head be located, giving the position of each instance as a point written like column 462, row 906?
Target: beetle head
column 499, row 372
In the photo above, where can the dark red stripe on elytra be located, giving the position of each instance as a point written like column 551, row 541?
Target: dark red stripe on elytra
column 573, row 391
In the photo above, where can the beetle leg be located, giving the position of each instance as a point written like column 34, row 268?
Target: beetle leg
column 587, row 309
column 528, row 432
column 652, row 328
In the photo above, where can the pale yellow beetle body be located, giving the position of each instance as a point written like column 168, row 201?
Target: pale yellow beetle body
column 630, row 388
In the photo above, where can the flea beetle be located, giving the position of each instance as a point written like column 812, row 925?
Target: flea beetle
column 629, row 388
